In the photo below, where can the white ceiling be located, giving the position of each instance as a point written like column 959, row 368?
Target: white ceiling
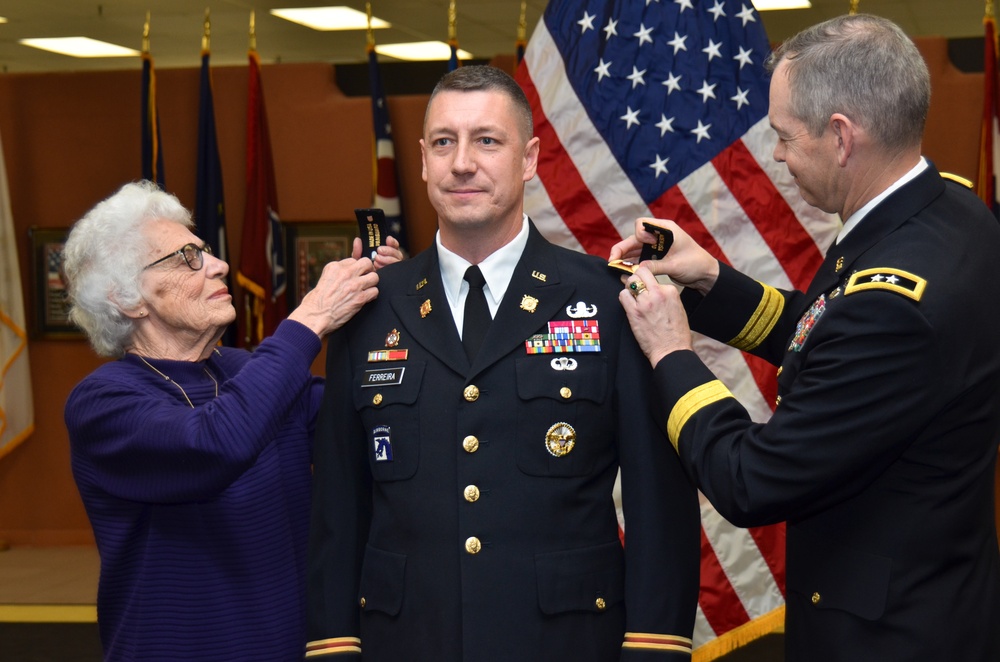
column 485, row 28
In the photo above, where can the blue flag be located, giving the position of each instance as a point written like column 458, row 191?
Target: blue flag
column 209, row 207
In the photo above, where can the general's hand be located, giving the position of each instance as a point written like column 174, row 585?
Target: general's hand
column 343, row 288
column 686, row 263
column 384, row 255
column 656, row 314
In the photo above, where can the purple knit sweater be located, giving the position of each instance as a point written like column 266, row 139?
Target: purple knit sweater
column 201, row 515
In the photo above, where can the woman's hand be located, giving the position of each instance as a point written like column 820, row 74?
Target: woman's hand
column 384, row 255
column 343, row 288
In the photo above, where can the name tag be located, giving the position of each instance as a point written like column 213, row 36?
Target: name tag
column 388, row 377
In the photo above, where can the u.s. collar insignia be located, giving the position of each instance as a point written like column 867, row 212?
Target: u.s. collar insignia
column 421, row 284
column 581, row 310
column 392, row 338
column 529, row 303
column 425, row 308
column 560, row 439
column 563, row 363
column 538, row 275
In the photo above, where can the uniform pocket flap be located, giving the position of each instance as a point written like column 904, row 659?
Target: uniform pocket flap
column 547, row 375
column 380, row 386
column 590, row 579
column 833, row 576
column 382, row 575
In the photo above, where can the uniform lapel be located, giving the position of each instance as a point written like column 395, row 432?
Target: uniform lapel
column 424, row 313
column 535, row 286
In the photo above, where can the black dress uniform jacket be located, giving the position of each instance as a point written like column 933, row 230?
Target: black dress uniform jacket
column 475, row 542
column 882, row 449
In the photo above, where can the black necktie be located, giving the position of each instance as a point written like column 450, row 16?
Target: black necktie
column 477, row 313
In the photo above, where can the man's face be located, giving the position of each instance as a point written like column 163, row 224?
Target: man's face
column 475, row 161
column 811, row 160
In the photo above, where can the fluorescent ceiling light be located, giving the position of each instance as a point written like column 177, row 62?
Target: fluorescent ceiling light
column 770, row 5
column 421, row 50
column 330, row 18
column 80, row 47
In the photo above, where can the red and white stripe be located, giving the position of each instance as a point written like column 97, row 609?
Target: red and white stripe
column 744, row 208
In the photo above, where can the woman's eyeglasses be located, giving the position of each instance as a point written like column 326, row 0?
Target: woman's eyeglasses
column 191, row 253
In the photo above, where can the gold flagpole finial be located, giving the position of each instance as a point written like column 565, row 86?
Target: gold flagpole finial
column 145, row 35
column 371, row 30
column 854, row 7
column 253, row 30
column 206, row 35
column 522, row 22
column 452, row 22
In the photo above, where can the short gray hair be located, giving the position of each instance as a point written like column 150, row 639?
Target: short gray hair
column 104, row 257
column 864, row 67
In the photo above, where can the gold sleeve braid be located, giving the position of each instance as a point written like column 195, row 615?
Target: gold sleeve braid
column 689, row 405
column 761, row 322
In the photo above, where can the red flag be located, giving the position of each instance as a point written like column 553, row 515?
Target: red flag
column 262, row 262
column 989, row 144
column 660, row 109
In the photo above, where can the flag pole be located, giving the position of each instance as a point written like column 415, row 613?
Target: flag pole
column 206, row 36
column 253, row 31
column 145, row 35
column 522, row 31
column 854, row 7
column 453, row 35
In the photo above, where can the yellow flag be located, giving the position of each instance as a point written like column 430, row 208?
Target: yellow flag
column 17, row 416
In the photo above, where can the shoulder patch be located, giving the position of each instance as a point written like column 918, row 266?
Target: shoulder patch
column 956, row 178
column 893, row 280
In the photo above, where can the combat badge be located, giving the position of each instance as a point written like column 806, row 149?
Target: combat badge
column 560, row 439
column 382, row 443
column 581, row 310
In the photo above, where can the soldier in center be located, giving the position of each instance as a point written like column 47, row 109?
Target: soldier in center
column 475, row 419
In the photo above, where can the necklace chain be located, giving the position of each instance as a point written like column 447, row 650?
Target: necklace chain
column 183, row 392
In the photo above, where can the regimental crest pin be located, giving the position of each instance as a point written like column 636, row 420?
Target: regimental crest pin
column 425, row 308
column 529, row 303
column 392, row 338
column 581, row 310
column 560, row 439
column 382, row 443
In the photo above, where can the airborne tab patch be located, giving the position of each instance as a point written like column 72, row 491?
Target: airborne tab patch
column 893, row 280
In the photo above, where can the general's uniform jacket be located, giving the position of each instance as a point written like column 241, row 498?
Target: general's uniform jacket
column 881, row 451
column 465, row 512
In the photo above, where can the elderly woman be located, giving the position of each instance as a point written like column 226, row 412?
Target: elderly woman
column 193, row 461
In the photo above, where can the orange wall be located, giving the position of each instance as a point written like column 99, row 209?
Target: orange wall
column 71, row 139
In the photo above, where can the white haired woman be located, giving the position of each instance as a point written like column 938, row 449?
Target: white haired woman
column 193, row 461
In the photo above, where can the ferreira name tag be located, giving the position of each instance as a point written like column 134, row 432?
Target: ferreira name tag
column 387, row 377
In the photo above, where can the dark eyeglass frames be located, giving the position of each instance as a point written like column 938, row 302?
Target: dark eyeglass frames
column 192, row 254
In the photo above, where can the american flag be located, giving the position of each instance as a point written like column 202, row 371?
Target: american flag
column 385, row 185
column 659, row 108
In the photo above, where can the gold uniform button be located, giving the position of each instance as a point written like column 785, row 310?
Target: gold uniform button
column 471, row 393
column 470, row 444
column 816, row 598
column 566, row 393
column 780, row 368
column 600, row 604
column 362, row 603
column 472, row 493
column 377, row 400
column 472, row 545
